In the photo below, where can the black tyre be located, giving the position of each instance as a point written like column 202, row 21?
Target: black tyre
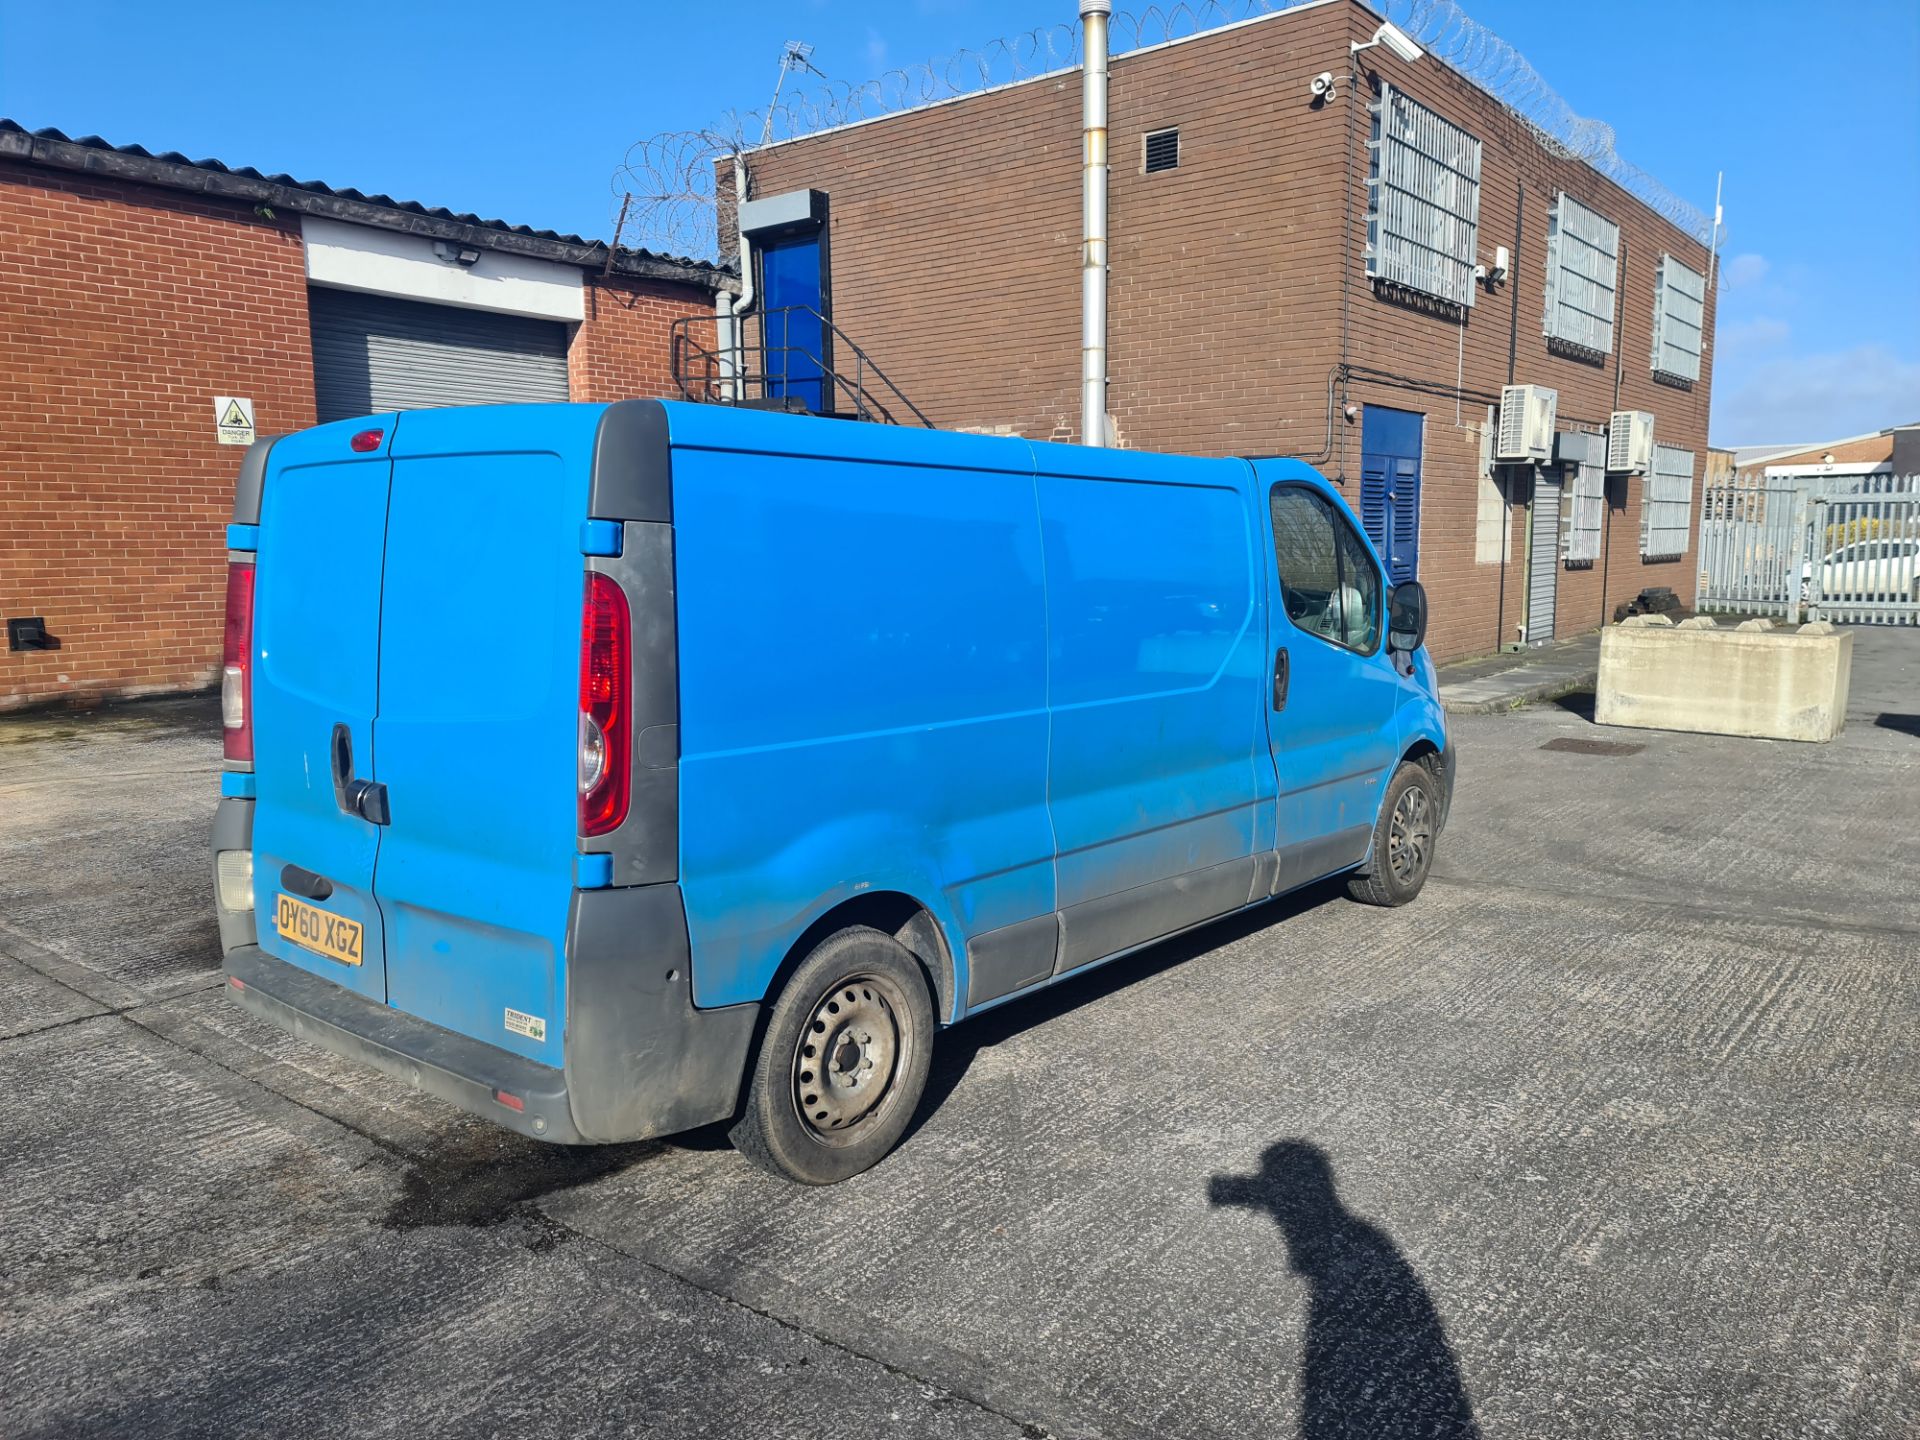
column 1403, row 840
column 843, row 1062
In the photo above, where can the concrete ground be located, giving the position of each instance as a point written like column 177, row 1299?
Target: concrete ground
column 1616, row 1131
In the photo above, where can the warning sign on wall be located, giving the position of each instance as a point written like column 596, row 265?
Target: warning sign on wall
column 233, row 417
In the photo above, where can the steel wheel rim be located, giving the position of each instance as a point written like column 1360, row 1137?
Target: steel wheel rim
column 850, row 1054
column 1410, row 835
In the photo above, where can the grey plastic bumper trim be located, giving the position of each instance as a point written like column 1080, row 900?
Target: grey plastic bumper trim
column 454, row 1067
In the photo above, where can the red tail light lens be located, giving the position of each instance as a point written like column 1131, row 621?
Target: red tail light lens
column 606, row 707
column 236, row 665
column 367, row 440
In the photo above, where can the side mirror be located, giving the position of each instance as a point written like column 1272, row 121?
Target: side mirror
column 1407, row 617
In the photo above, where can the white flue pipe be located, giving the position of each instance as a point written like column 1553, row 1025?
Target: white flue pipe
column 1093, row 251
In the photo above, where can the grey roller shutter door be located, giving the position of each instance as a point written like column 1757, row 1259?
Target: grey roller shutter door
column 1543, row 557
column 374, row 353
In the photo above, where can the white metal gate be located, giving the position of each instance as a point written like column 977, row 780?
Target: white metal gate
column 1846, row 551
column 1869, row 542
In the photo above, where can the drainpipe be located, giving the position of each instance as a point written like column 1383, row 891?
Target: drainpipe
column 733, row 328
column 1093, row 253
column 723, row 341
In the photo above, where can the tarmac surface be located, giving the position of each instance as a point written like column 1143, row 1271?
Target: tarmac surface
column 1615, row 1131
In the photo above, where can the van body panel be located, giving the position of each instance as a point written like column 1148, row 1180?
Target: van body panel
column 477, row 734
column 863, row 686
column 323, row 520
column 1155, row 671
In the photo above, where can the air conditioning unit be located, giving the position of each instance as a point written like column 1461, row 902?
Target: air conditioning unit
column 1526, row 423
column 1629, row 443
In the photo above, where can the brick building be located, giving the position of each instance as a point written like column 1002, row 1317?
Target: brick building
column 1261, row 301
column 135, row 289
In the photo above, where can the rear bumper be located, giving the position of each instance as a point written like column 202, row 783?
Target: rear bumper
column 641, row 1059
column 468, row 1072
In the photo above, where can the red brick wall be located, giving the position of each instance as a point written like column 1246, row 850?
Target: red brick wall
column 1237, row 282
column 123, row 311
column 621, row 350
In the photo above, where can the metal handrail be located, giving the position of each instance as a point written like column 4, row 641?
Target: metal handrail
column 704, row 372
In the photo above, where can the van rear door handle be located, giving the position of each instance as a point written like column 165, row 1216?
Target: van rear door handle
column 365, row 798
column 1282, row 673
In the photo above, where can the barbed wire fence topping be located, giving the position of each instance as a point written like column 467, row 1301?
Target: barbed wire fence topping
column 668, row 181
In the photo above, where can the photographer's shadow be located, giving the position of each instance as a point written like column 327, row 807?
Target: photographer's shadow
column 1377, row 1363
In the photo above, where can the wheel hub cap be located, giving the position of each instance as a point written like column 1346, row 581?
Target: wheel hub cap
column 1410, row 836
column 845, row 1063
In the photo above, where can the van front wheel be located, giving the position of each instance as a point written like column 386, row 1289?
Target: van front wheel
column 843, row 1063
column 1403, row 839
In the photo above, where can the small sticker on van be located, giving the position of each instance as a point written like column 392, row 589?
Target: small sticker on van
column 531, row 1026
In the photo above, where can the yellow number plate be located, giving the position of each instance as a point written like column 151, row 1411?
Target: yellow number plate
column 312, row 928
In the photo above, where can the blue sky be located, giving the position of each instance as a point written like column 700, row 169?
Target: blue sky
column 522, row 112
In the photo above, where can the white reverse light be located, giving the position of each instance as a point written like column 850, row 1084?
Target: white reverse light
column 234, row 871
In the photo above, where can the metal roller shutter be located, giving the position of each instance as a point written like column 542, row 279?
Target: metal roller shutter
column 1543, row 556
column 374, row 353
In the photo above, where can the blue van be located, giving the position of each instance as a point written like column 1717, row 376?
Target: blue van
column 611, row 770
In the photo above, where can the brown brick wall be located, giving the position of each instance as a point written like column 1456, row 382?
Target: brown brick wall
column 955, row 249
column 123, row 311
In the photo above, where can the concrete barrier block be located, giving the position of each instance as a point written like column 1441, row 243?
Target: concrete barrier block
column 1697, row 622
column 1759, row 622
column 1643, row 622
column 1772, row 683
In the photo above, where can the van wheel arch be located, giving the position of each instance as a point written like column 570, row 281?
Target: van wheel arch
column 1423, row 753
column 892, row 912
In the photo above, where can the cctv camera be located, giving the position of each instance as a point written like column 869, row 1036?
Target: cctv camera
column 1322, row 84
column 1395, row 39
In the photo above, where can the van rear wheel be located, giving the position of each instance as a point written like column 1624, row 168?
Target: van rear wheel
column 843, row 1062
column 1403, row 839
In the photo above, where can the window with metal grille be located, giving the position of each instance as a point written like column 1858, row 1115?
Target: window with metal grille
column 1423, row 200
column 1666, row 504
column 1163, row 150
column 1587, row 487
column 1679, row 319
column 1583, row 258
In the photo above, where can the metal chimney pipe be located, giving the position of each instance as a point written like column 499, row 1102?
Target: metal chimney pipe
column 1093, row 251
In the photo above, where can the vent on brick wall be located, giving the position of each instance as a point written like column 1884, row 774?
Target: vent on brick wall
column 1163, row 150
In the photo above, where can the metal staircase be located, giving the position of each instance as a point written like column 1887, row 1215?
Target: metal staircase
column 793, row 359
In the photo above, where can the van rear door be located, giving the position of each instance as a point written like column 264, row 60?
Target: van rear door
column 477, row 733
column 323, row 519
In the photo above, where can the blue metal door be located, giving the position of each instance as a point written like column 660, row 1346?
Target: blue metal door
column 1390, row 487
column 323, row 524
column 794, row 297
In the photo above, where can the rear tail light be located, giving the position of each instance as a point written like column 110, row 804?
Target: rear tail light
column 606, row 706
column 236, row 672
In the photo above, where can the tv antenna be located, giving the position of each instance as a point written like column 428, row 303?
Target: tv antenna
column 797, row 56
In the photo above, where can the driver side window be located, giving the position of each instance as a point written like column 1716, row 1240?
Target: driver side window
column 1329, row 584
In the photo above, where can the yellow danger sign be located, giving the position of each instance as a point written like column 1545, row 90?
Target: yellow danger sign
column 233, row 419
